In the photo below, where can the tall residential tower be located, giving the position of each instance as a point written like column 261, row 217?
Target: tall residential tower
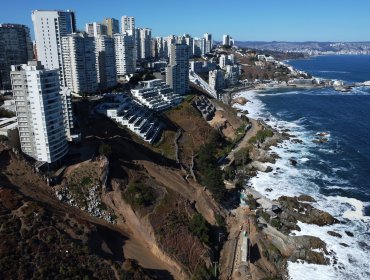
column 15, row 48
column 39, row 109
column 177, row 72
column 50, row 27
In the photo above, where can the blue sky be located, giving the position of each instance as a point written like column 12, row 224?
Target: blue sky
column 268, row 20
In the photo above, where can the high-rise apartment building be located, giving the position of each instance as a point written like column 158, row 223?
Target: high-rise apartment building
column 36, row 92
column 208, row 42
column 199, row 46
column 79, row 63
column 125, row 58
column 105, row 62
column 177, row 72
column 15, row 48
column 96, row 29
column 144, row 43
column 112, row 25
column 50, row 27
column 226, row 40
column 128, row 25
column 189, row 42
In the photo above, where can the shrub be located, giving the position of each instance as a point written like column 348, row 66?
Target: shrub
column 220, row 220
column 139, row 194
column 261, row 136
column 105, row 150
column 198, row 226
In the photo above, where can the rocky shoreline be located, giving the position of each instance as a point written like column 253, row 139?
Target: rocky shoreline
column 271, row 229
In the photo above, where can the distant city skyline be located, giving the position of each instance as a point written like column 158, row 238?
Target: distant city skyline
column 270, row 20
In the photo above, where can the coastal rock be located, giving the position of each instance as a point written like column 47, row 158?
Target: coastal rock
column 307, row 198
column 304, row 212
column 260, row 166
column 335, row 234
column 293, row 161
column 296, row 141
column 241, row 100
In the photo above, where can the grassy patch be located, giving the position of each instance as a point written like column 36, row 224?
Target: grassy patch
column 261, row 136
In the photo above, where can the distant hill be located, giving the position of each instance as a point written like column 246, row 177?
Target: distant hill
column 309, row 46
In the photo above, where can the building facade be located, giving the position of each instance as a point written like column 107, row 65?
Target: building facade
column 50, row 27
column 96, row 29
column 208, row 42
column 177, row 72
column 79, row 63
column 15, row 48
column 226, row 40
column 143, row 43
column 112, row 25
column 124, row 54
column 105, row 62
column 36, row 91
column 216, row 79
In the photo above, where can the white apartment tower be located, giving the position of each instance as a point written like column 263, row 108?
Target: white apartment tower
column 208, row 42
column 177, row 72
column 125, row 58
column 226, row 40
column 50, row 27
column 79, row 63
column 39, row 111
column 128, row 25
column 96, row 29
column 216, row 79
column 105, row 62
column 144, row 43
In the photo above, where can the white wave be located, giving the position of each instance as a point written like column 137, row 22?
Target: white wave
column 289, row 180
column 337, row 72
column 356, row 212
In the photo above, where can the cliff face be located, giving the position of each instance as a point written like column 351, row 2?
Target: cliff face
column 42, row 238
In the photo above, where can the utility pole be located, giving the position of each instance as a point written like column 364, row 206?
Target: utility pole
column 215, row 263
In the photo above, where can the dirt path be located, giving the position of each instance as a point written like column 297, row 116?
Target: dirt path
column 244, row 142
column 188, row 188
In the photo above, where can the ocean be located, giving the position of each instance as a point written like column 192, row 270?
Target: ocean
column 336, row 173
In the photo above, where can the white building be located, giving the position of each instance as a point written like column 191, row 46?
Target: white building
column 105, row 62
column 208, row 42
column 131, row 114
column 177, row 72
column 96, row 29
column 232, row 74
column 39, row 112
column 128, row 25
column 79, row 63
column 66, row 95
column 144, row 43
column 50, row 27
column 226, row 40
column 124, row 51
column 223, row 61
column 156, row 94
column 216, row 79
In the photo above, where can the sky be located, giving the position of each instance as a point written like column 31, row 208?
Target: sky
column 244, row 20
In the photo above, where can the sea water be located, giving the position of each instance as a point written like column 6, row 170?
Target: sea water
column 335, row 173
